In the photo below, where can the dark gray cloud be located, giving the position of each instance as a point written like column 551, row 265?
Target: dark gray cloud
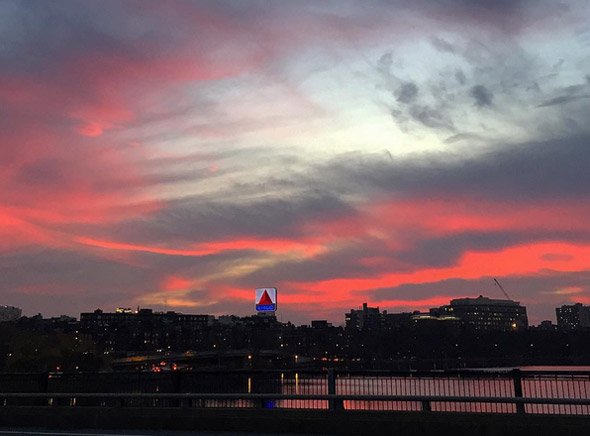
column 481, row 95
column 463, row 137
column 440, row 104
column 532, row 171
column 484, row 72
column 431, row 117
column 564, row 99
column 197, row 219
column 508, row 16
column 442, row 45
column 428, row 109
column 407, row 92
column 568, row 94
column 460, row 76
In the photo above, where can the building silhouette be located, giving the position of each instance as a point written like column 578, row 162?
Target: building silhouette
column 484, row 313
column 366, row 318
column 10, row 313
column 574, row 316
column 144, row 329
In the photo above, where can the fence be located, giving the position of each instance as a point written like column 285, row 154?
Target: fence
column 514, row 392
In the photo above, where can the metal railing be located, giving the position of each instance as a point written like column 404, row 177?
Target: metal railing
column 265, row 401
column 532, row 392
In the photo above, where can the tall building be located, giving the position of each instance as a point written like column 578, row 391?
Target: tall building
column 486, row 314
column 573, row 316
column 367, row 318
column 10, row 313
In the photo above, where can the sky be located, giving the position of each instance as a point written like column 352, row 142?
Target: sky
column 178, row 154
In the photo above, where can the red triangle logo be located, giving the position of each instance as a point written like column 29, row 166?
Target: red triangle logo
column 265, row 299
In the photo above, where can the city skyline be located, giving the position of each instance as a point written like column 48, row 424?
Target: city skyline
column 575, row 309
column 177, row 155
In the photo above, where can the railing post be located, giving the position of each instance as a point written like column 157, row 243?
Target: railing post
column 43, row 382
column 333, row 404
column 517, row 381
column 44, row 388
column 176, row 387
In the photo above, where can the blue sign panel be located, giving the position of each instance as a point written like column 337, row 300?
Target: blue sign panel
column 266, row 307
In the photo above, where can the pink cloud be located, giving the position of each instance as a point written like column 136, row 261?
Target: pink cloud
column 176, row 283
column 274, row 246
column 91, row 130
column 528, row 259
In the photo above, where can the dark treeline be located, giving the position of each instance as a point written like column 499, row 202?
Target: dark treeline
column 35, row 344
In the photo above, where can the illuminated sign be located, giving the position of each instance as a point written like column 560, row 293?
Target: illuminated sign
column 266, row 299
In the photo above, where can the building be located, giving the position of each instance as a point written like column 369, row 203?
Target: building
column 434, row 319
column 396, row 321
column 485, row 313
column 320, row 324
column 546, row 325
column 10, row 313
column 573, row 316
column 145, row 329
column 366, row 318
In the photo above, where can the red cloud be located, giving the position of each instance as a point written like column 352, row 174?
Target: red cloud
column 520, row 260
column 175, row 283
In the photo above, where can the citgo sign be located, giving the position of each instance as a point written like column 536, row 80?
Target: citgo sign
column 266, row 299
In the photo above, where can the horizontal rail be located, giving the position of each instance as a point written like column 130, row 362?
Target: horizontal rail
column 375, row 372
column 325, row 397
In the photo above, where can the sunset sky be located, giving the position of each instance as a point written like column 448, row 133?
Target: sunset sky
column 176, row 154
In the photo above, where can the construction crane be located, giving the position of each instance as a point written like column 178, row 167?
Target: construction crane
column 502, row 288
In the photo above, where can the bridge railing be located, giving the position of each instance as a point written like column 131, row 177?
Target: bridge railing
column 263, row 401
column 533, row 392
